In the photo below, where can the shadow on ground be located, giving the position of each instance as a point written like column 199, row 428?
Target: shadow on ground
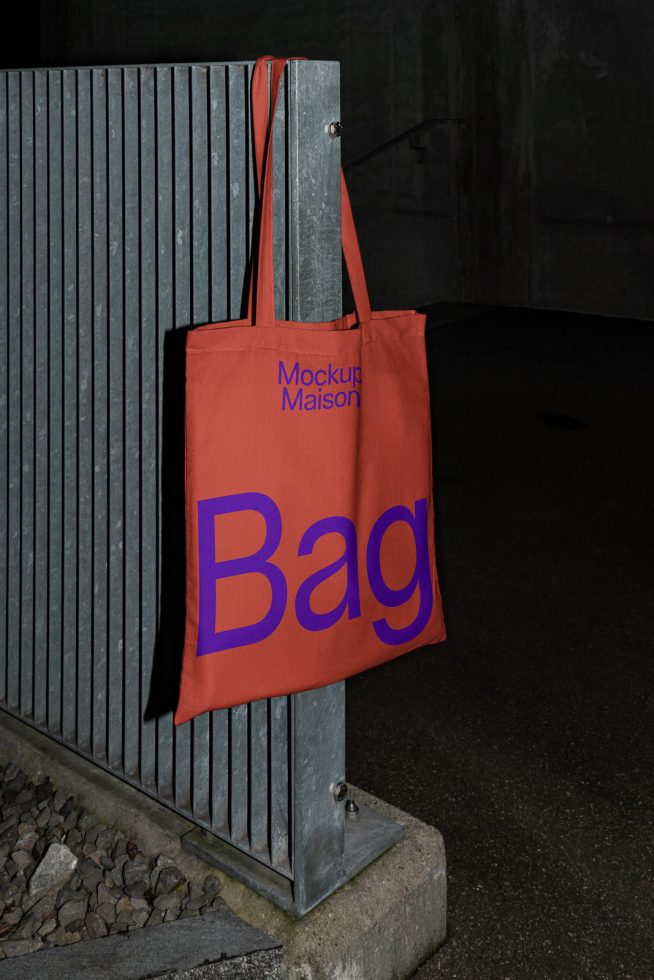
column 527, row 737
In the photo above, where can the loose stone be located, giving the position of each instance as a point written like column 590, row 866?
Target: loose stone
column 43, row 908
column 168, row 878
column 27, row 927
column 21, row 859
column 67, row 894
column 139, row 918
column 55, row 867
column 135, row 872
column 137, row 889
column 122, row 922
column 104, row 839
column 43, row 791
column 196, row 902
column 60, row 798
column 95, row 925
column 70, row 821
column 39, row 847
column 168, row 901
column 17, row 947
column 72, row 910
column 93, row 831
column 18, row 781
column 155, row 918
column 107, row 912
column 73, row 837
column 105, row 895
column 87, row 867
column 123, row 905
column 12, row 917
column 77, row 925
column 91, row 881
column 211, row 885
column 60, row 937
column 48, row 926
column 85, row 820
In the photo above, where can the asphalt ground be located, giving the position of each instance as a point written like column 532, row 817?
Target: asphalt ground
column 526, row 737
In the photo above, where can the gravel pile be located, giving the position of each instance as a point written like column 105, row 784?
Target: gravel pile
column 65, row 876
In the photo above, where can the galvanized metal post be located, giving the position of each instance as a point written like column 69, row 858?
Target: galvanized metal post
column 315, row 294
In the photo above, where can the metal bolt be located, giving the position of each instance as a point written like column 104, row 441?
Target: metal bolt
column 335, row 130
column 340, row 792
column 351, row 810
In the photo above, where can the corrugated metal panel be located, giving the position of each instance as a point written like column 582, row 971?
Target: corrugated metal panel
column 126, row 204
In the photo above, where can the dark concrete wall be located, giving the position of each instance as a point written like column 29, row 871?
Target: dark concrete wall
column 542, row 196
column 592, row 105
column 556, row 204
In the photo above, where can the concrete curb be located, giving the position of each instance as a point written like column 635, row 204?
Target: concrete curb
column 213, row 946
column 381, row 925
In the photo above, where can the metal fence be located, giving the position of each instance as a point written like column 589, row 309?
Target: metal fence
column 126, row 203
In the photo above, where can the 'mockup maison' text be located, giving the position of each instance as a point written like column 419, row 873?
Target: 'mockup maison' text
column 303, row 399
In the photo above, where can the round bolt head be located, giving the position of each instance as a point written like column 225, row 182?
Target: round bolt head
column 340, row 791
column 351, row 810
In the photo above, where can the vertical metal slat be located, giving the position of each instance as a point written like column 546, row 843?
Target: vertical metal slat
column 14, row 395
column 70, row 395
column 55, row 384
column 4, row 373
column 183, row 735
column 41, row 399
column 199, row 234
column 148, row 355
column 165, row 321
column 100, row 385
column 27, row 396
column 132, row 421
column 218, row 273
column 116, row 426
column 84, row 410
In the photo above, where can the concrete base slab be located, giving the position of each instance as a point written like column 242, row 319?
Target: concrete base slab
column 381, row 925
column 215, row 946
column 366, row 838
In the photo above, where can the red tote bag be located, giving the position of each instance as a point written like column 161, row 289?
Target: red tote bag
column 310, row 549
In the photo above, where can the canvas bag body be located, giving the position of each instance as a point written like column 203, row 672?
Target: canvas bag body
column 310, row 550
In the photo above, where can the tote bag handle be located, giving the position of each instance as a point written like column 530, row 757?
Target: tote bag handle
column 263, row 290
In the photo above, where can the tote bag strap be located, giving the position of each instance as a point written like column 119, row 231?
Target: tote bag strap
column 263, row 290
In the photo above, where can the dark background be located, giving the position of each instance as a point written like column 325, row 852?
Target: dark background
column 542, row 196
